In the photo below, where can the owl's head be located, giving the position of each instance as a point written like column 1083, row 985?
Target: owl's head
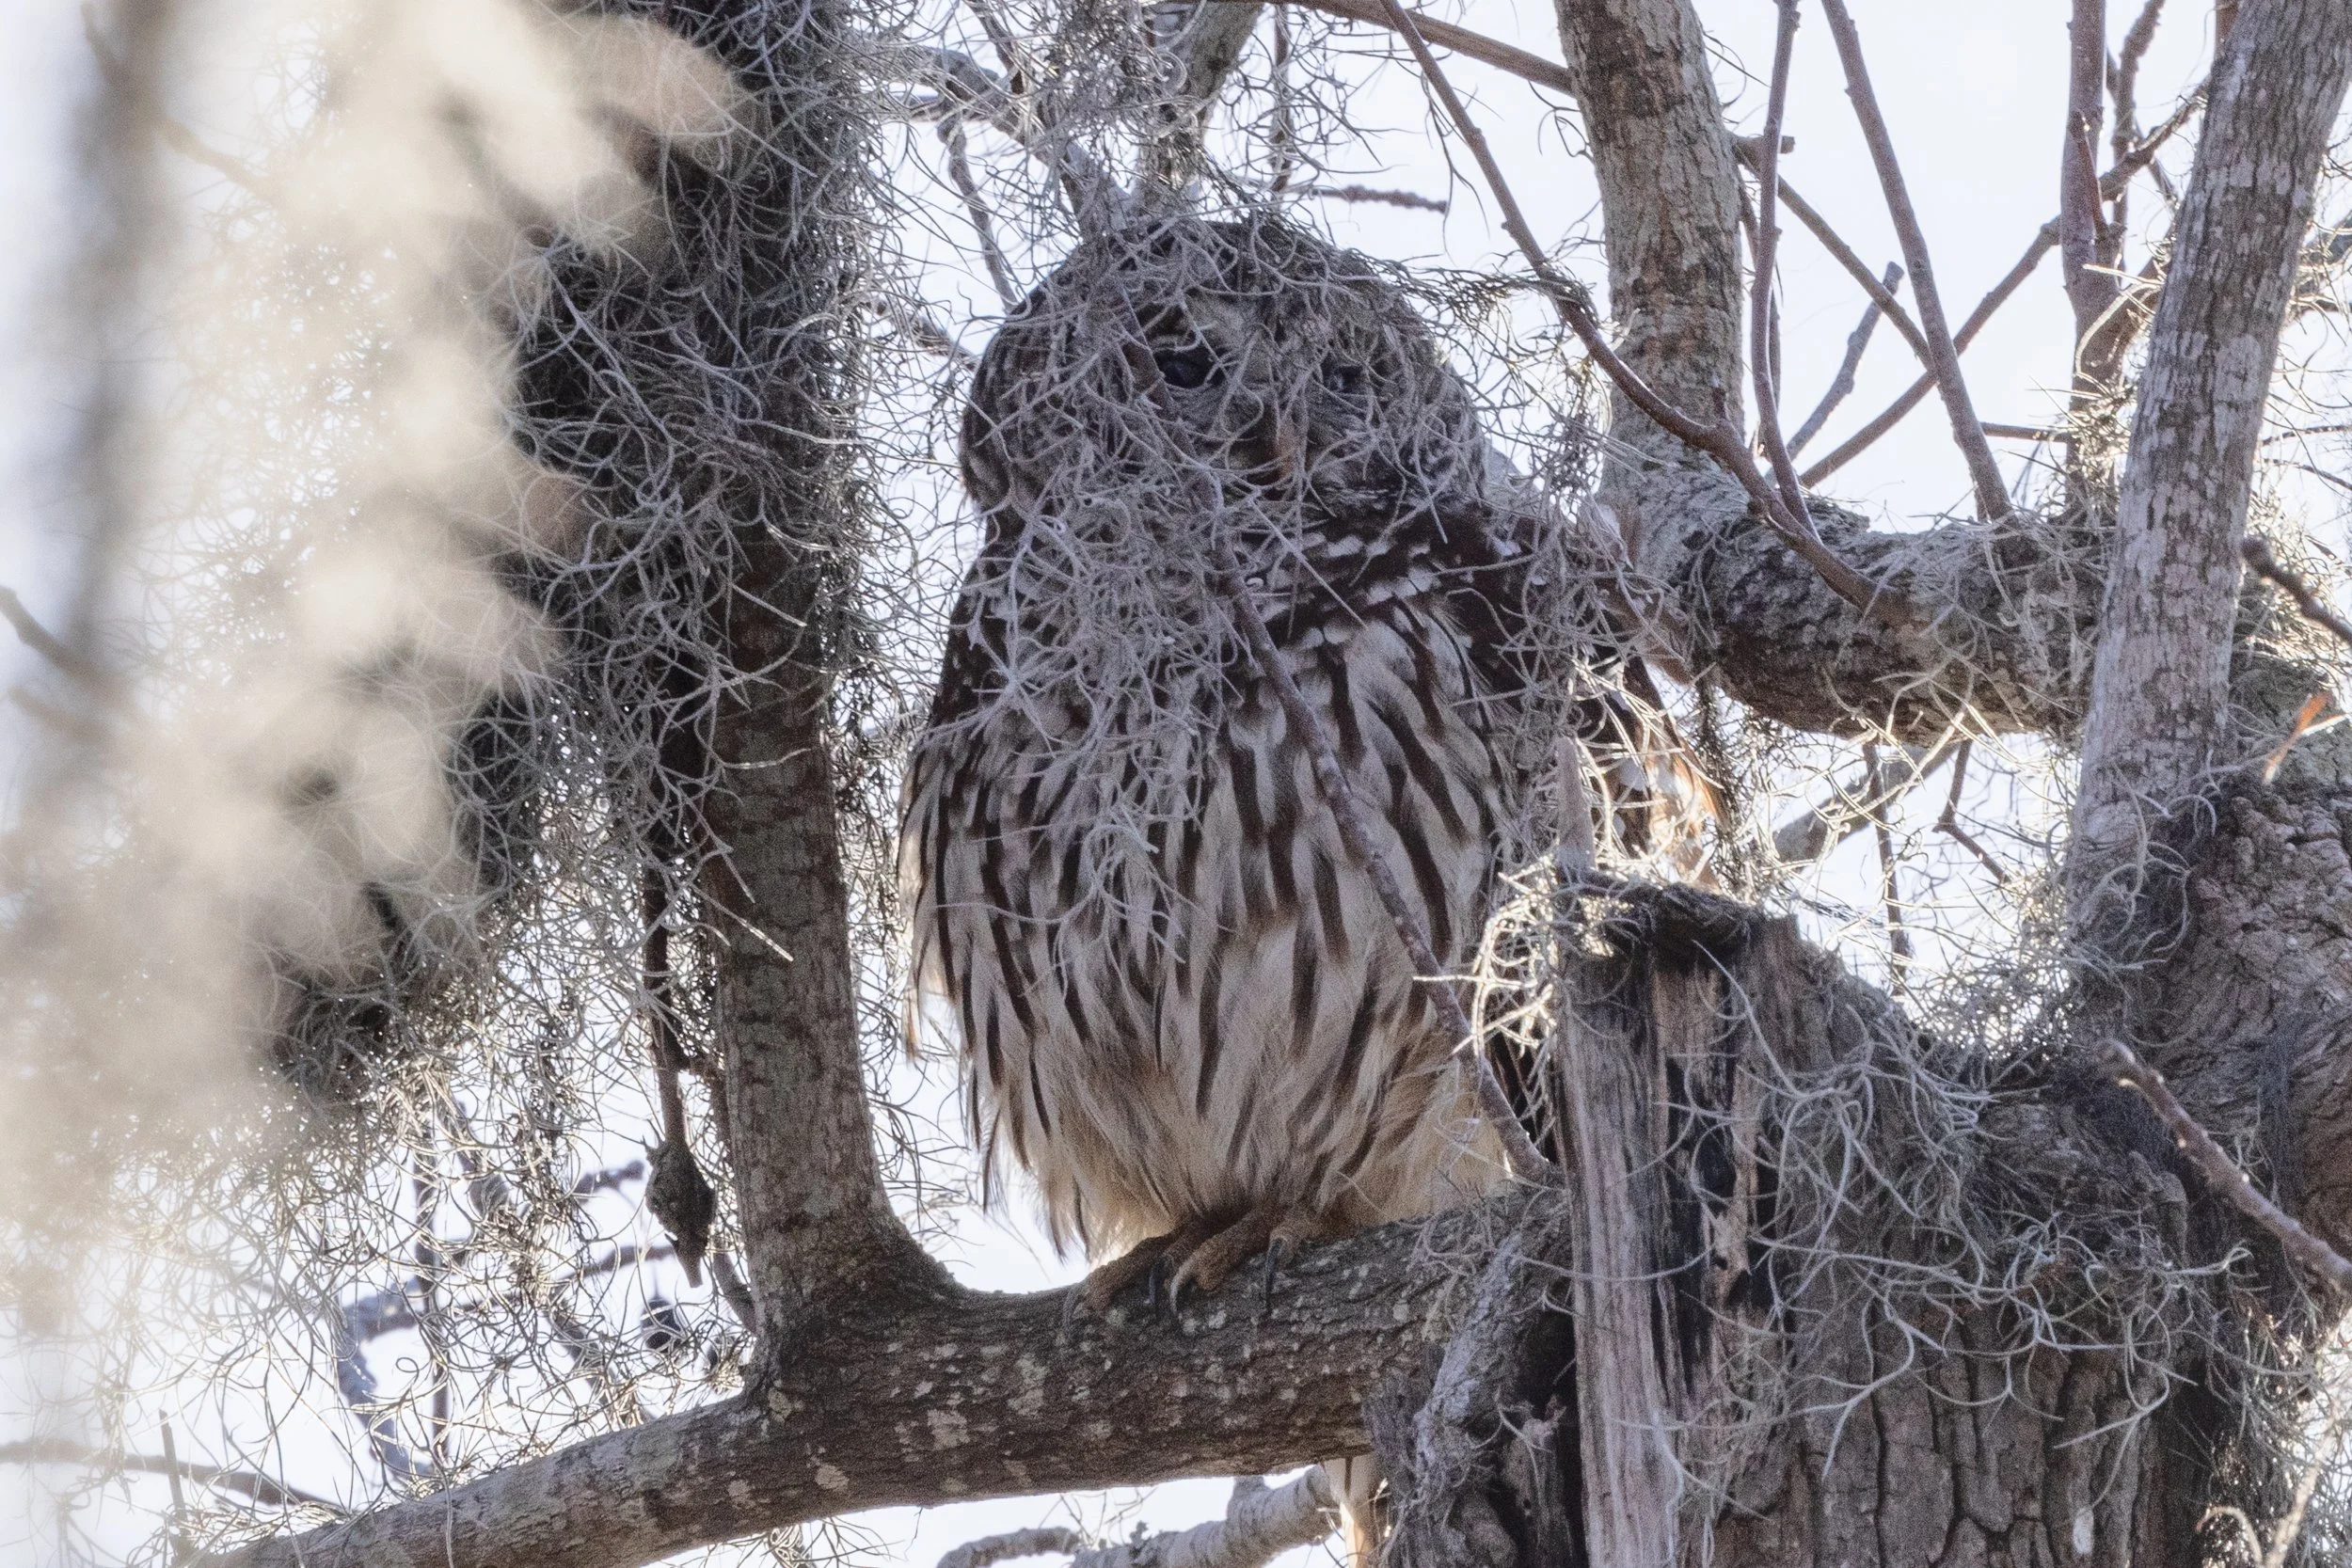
column 1295, row 369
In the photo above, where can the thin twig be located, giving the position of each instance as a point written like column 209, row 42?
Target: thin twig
column 1841, row 385
column 1942, row 355
column 2266, row 566
column 2224, row 1175
column 1816, row 830
column 1949, row 822
column 1367, row 192
column 1453, row 38
column 266, row 1490
column 2124, row 81
column 40, row 638
column 1883, row 293
column 1762, row 343
column 1892, row 415
column 975, row 208
column 1719, row 439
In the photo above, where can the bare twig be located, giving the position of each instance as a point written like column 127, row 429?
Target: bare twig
column 975, row 208
column 2267, row 567
column 1944, row 355
column 266, row 1490
column 1949, row 822
column 40, row 640
column 1387, row 199
column 2124, row 81
column 1816, row 830
column 2224, row 1175
column 1763, row 362
column 1719, row 439
column 1892, row 415
column 1841, row 385
column 1881, row 293
column 1446, row 35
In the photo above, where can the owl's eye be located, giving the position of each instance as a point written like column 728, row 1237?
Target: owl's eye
column 1344, row 377
column 1191, row 366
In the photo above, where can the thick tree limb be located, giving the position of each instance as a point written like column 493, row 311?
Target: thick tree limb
column 942, row 1395
column 2160, row 682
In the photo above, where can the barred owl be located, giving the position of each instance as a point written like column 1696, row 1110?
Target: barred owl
column 1182, row 1008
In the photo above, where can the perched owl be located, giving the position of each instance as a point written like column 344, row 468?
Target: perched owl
column 1182, row 1008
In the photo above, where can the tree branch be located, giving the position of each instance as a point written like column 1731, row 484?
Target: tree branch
column 1943, row 356
column 2159, row 688
column 944, row 1395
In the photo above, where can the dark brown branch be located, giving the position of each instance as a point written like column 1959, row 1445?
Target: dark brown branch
column 2224, row 1175
column 2265, row 564
column 1942, row 354
column 1717, row 439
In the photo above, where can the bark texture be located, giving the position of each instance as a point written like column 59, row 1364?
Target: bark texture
column 2003, row 636
column 2160, row 683
column 938, row 1395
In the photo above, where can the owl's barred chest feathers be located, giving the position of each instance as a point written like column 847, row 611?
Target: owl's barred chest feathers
column 1178, row 994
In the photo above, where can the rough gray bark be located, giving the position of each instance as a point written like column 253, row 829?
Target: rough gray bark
column 938, row 1395
column 2159, row 690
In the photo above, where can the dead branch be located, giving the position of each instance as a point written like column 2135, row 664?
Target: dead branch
column 1841, row 385
column 1447, row 36
column 1942, row 355
column 266, row 1490
column 2224, row 1175
column 2266, row 566
column 1717, row 439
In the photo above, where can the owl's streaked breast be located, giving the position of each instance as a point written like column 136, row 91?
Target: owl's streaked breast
column 1227, row 1017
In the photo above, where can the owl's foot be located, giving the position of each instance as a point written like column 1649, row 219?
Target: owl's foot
column 1274, row 1229
column 1147, row 1262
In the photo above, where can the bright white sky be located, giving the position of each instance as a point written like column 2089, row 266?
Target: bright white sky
column 1974, row 94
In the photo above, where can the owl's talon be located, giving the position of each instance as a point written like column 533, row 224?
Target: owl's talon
column 1276, row 1250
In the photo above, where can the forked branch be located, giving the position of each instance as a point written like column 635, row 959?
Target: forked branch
column 1719, row 439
